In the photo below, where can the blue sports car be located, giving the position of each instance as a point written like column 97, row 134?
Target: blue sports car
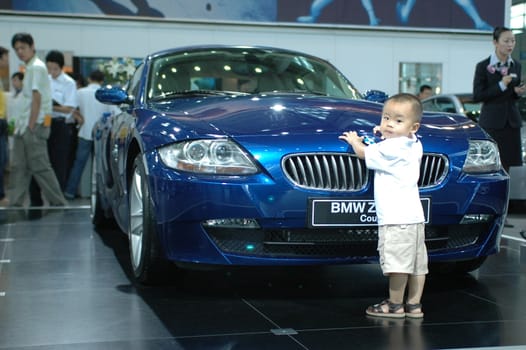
column 227, row 155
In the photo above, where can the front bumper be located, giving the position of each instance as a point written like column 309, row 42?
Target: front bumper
column 184, row 202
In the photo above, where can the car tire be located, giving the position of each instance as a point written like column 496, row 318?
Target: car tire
column 146, row 257
column 457, row 267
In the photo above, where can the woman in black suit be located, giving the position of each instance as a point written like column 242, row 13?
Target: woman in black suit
column 497, row 84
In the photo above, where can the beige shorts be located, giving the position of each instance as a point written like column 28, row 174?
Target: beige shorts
column 402, row 249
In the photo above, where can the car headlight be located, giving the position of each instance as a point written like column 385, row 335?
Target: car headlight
column 208, row 157
column 483, row 157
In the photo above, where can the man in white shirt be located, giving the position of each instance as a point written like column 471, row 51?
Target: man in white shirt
column 89, row 111
column 64, row 94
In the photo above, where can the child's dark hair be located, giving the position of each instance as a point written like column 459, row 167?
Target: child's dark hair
column 416, row 105
column 497, row 32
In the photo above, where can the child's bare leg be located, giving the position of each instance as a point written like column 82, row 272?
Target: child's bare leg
column 397, row 284
column 415, row 288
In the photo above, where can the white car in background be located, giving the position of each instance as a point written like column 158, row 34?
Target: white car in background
column 463, row 104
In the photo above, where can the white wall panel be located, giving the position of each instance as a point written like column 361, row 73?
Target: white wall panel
column 369, row 57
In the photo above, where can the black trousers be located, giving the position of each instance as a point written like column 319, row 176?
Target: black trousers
column 58, row 146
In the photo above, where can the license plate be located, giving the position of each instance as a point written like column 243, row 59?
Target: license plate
column 349, row 212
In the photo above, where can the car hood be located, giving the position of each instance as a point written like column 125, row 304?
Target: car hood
column 277, row 118
column 267, row 114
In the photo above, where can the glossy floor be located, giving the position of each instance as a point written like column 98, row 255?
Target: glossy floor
column 64, row 285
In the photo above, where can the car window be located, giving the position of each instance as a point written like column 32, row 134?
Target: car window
column 133, row 85
column 446, row 105
column 440, row 104
column 430, row 105
column 246, row 70
column 472, row 110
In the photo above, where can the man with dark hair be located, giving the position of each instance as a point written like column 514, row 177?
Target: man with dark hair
column 425, row 92
column 30, row 156
column 64, row 95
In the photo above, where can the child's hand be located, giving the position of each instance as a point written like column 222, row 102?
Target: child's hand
column 376, row 131
column 351, row 137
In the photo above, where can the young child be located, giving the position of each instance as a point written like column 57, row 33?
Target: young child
column 396, row 162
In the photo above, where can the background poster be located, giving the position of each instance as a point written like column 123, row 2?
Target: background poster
column 453, row 14
column 449, row 14
column 229, row 10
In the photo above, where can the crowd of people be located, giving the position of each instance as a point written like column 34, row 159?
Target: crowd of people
column 52, row 118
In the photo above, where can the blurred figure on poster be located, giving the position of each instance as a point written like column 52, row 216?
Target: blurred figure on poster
column 88, row 112
column 111, row 7
column 425, row 91
column 317, row 7
column 64, row 95
column 404, row 8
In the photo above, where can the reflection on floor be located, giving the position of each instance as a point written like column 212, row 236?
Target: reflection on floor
column 65, row 286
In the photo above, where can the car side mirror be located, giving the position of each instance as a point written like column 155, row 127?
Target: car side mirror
column 375, row 96
column 113, row 95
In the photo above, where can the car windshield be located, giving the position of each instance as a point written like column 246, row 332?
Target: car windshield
column 472, row 109
column 245, row 71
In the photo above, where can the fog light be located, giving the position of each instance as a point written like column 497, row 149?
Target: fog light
column 476, row 218
column 232, row 223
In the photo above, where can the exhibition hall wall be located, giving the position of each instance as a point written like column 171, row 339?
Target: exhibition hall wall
column 370, row 56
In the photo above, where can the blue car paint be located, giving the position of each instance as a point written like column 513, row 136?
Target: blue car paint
column 303, row 123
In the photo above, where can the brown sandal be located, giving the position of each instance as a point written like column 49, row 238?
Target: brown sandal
column 411, row 313
column 376, row 310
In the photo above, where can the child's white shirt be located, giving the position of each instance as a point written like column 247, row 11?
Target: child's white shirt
column 396, row 165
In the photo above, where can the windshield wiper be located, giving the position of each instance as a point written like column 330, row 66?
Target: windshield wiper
column 295, row 91
column 311, row 92
column 185, row 93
